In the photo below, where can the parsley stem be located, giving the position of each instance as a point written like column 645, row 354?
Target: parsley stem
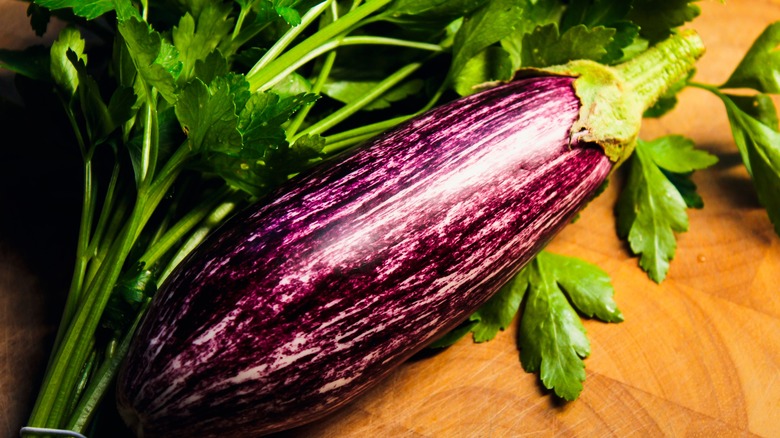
column 176, row 232
column 85, row 225
column 347, row 110
column 102, row 378
column 215, row 218
column 68, row 359
column 300, row 116
column 711, row 88
column 274, row 69
column 105, row 212
column 245, row 9
column 82, row 247
column 344, row 139
column 319, row 82
column 114, row 223
column 150, row 140
column 345, row 41
column 338, row 146
column 281, row 44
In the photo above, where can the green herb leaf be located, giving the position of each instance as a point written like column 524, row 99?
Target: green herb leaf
column 540, row 13
column 650, row 208
column 430, row 11
column 89, row 9
column 240, row 136
column 490, row 65
column 626, row 43
column 213, row 66
column 129, row 292
column 288, row 13
column 96, row 113
column 587, row 286
column 678, row 154
column 552, row 338
column 196, row 40
column 759, row 146
column 545, row 47
column 32, row 62
column 498, row 312
column 208, row 117
column 39, row 18
column 649, row 211
column 62, row 69
column 657, row 20
column 760, row 67
column 594, row 13
column 293, row 84
column 759, row 106
column 687, row 188
column 154, row 59
column 262, row 118
column 485, row 26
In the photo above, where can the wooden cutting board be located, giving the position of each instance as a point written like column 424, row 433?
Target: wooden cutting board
column 698, row 355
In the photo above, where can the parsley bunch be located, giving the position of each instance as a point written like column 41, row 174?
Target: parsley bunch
column 185, row 110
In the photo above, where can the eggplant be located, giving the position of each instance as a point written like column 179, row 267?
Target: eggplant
column 299, row 304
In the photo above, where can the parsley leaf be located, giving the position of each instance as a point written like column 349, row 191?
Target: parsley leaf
column 63, row 71
column 430, row 10
column 759, row 106
column 760, row 68
column 97, row 117
column 491, row 64
column 759, row 145
column 676, row 153
column 196, row 39
column 32, row 62
column 89, row 9
column 595, row 12
column 498, row 312
column 485, row 26
column 536, row 14
column 658, row 19
column 552, row 337
column 651, row 208
column 207, row 115
column 240, row 136
column 155, row 59
column 545, row 46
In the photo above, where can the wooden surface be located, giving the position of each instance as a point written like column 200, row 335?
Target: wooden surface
column 698, row 355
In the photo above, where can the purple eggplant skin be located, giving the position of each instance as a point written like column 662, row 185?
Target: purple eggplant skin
column 296, row 306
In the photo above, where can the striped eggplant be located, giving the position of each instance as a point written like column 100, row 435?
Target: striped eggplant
column 298, row 305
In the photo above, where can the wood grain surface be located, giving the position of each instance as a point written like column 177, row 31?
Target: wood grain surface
column 698, row 355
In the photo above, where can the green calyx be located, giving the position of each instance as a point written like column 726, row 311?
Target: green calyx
column 614, row 98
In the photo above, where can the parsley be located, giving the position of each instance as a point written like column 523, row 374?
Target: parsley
column 545, row 46
column 554, row 291
column 753, row 118
column 652, row 205
column 759, row 145
column 760, row 68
